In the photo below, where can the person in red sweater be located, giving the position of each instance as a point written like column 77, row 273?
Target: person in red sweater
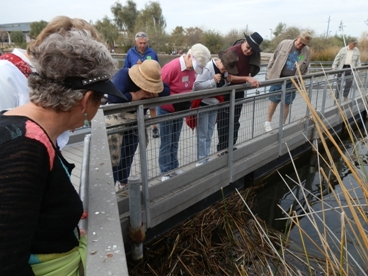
column 180, row 75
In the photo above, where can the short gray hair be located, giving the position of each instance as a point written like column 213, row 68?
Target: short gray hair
column 140, row 35
column 73, row 53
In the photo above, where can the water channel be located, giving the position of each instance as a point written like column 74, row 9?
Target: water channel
column 283, row 190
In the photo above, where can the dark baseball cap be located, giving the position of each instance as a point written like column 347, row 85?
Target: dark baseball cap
column 101, row 84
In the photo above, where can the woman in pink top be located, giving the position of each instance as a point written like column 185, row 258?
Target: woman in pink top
column 180, row 75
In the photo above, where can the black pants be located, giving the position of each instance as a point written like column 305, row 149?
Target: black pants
column 223, row 117
column 348, row 83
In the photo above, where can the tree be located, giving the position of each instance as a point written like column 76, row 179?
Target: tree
column 125, row 16
column 3, row 36
column 232, row 36
column 194, row 35
column 17, row 37
column 213, row 41
column 151, row 21
column 177, row 38
column 36, row 28
column 279, row 29
column 287, row 33
column 108, row 30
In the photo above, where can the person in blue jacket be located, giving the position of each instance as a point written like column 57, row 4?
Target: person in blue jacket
column 137, row 54
column 140, row 52
column 142, row 81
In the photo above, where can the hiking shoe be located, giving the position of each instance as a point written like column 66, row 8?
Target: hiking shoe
column 267, row 126
column 165, row 177
column 155, row 133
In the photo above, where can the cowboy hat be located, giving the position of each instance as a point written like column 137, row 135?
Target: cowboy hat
column 229, row 59
column 147, row 76
column 254, row 40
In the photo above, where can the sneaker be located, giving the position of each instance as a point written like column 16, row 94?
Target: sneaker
column 267, row 126
column 165, row 177
column 177, row 172
column 120, row 186
column 155, row 133
column 202, row 162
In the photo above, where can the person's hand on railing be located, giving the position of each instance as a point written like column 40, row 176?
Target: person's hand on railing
column 141, row 94
column 151, row 95
column 252, row 81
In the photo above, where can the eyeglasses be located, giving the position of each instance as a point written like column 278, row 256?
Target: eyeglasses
column 141, row 35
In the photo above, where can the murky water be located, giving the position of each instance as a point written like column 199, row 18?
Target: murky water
column 286, row 194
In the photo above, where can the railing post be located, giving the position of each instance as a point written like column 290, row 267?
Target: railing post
column 310, row 94
column 281, row 116
column 326, row 86
column 253, row 117
column 231, row 134
column 341, row 88
column 143, row 163
column 137, row 229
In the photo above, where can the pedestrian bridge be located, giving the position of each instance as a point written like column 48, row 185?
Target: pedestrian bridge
column 157, row 205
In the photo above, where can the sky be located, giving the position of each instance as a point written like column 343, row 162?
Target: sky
column 260, row 16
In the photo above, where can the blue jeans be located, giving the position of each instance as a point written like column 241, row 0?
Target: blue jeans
column 169, row 136
column 128, row 147
column 205, row 126
column 289, row 96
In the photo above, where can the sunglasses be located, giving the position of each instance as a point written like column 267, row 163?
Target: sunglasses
column 248, row 48
column 141, row 35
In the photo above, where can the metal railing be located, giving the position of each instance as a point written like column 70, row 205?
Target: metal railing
column 320, row 87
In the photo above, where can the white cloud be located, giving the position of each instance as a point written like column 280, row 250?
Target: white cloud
column 220, row 15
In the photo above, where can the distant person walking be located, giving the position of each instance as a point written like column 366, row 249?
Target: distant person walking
column 348, row 57
column 136, row 55
column 282, row 64
column 248, row 65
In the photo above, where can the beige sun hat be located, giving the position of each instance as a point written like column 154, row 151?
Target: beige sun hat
column 147, row 76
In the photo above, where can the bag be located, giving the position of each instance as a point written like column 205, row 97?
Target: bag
column 115, row 140
column 71, row 264
column 182, row 105
column 191, row 120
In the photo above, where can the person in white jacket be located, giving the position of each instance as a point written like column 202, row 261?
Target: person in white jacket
column 13, row 81
column 214, row 75
column 348, row 57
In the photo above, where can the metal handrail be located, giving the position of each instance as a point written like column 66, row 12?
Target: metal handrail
column 101, row 188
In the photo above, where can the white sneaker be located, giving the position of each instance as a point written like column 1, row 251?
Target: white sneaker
column 267, row 126
column 202, row 162
column 165, row 177
column 177, row 172
column 120, row 186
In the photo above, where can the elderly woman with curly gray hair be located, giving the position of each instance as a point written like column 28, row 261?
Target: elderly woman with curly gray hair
column 39, row 207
